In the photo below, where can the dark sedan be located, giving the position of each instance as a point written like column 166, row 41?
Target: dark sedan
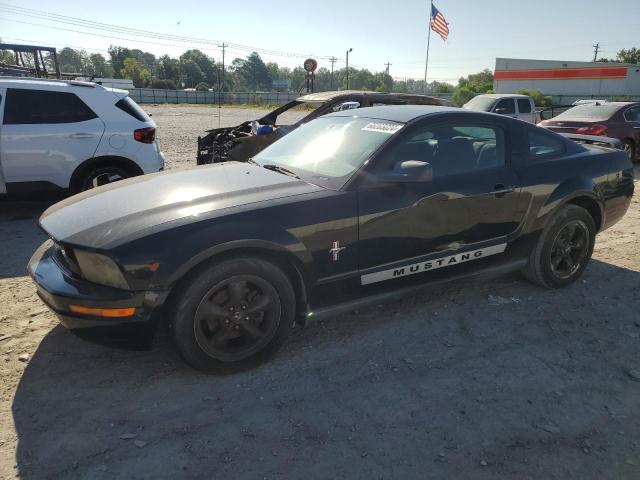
column 348, row 208
column 619, row 120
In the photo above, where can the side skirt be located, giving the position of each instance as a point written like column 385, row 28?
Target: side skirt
column 393, row 295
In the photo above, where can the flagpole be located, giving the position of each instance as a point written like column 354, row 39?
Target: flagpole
column 426, row 65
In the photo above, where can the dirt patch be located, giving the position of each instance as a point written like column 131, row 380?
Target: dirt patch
column 491, row 379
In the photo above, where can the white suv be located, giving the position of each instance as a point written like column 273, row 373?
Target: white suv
column 71, row 135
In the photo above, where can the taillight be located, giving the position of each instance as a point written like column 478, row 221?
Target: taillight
column 595, row 129
column 145, row 135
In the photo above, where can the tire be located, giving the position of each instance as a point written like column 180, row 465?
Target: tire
column 554, row 243
column 630, row 148
column 223, row 321
column 98, row 176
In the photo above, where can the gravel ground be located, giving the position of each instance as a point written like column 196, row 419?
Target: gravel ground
column 480, row 379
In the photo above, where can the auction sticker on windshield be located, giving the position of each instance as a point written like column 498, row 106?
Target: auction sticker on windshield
column 381, row 127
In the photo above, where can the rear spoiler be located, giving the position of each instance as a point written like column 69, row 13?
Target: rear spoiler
column 595, row 140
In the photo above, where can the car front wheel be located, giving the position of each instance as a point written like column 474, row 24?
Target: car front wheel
column 233, row 315
column 563, row 249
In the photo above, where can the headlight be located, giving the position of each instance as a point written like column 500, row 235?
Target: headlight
column 98, row 268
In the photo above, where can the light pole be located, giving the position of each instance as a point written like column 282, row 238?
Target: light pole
column 350, row 50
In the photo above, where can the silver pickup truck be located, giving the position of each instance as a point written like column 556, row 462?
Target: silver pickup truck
column 521, row 107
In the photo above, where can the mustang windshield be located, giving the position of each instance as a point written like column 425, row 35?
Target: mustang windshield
column 327, row 151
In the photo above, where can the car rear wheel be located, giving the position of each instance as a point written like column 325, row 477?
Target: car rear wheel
column 233, row 315
column 563, row 249
column 98, row 176
column 630, row 149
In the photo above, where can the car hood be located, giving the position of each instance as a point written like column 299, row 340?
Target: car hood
column 110, row 215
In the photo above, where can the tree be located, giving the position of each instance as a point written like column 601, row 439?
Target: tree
column 118, row 55
column 631, row 55
column 206, row 65
column 98, row 66
column 192, row 72
column 540, row 99
column 202, row 87
column 253, row 72
column 163, row 84
column 168, row 68
column 474, row 84
column 132, row 70
column 73, row 61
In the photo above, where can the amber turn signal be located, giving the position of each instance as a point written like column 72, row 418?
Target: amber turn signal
column 103, row 312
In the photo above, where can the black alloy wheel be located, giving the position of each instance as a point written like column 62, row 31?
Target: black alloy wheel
column 563, row 249
column 237, row 317
column 231, row 315
column 570, row 249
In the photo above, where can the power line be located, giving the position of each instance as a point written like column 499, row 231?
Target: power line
column 79, row 22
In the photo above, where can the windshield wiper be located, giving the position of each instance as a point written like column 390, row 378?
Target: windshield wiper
column 279, row 169
column 251, row 160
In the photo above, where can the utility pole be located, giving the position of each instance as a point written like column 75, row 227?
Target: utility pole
column 332, row 60
column 596, row 48
column 388, row 65
column 223, row 46
column 350, row 50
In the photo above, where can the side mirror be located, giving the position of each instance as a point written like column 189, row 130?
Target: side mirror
column 501, row 111
column 410, row 171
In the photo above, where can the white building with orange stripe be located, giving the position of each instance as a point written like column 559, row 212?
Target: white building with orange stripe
column 567, row 79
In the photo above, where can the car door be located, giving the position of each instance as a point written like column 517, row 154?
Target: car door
column 3, row 186
column 632, row 118
column 474, row 198
column 46, row 134
column 505, row 106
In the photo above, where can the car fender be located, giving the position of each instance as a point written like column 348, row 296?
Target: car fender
column 569, row 190
column 201, row 248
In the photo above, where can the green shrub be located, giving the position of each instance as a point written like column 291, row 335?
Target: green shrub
column 202, row 87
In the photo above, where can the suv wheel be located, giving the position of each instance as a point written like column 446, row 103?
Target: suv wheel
column 563, row 249
column 233, row 315
column 96, row 177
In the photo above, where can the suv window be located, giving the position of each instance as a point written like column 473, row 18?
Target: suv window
column 542, row 145
column 453, row 149
column 24, row 106
column 132, row 108
column 524, row 105
column 506, row 106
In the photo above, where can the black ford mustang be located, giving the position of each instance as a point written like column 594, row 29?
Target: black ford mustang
column 350, row 206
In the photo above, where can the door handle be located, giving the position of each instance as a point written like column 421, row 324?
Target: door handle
column 636, row 128
column 81, row 135
column 500, row 190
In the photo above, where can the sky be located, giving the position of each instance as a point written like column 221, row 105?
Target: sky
column 379, row 32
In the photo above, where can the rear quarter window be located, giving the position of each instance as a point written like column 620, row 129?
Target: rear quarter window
column 133, row 109
column 544, row 146
column 25, row 106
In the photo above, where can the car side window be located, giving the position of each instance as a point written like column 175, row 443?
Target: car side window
column 632, row 114
column 544, row 146
column 453, row 149
column 505, row 106
column 524, row 105
column 23, row 106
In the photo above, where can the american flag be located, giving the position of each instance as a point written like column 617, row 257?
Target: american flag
column 438, row 23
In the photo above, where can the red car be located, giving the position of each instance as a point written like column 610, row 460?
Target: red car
column 619, row 120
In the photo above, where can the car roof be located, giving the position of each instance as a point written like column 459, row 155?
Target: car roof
column 334, row 95
column 398, row 113
column 53, row 84
column 503, row 95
